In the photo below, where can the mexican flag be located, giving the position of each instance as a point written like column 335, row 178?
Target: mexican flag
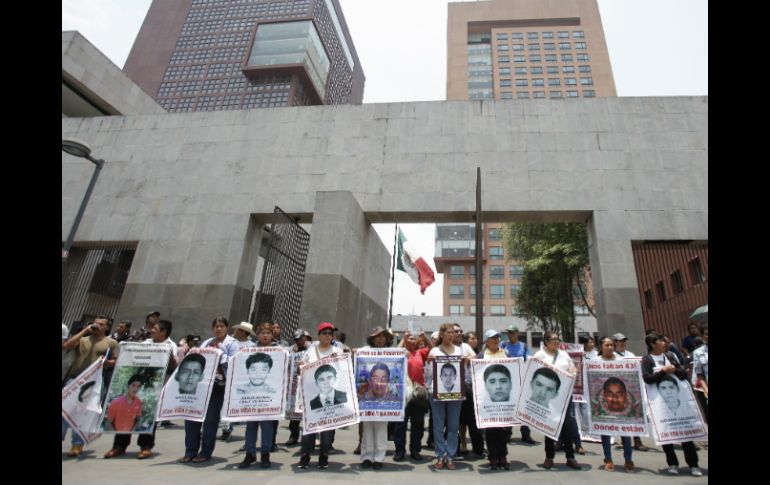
column 413, row 264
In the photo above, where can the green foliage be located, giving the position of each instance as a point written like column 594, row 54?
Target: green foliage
column 555, row 254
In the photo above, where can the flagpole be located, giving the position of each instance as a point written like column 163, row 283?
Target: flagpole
column 392, row 276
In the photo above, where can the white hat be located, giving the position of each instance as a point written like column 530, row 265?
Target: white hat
column 434, row 334
column 246, row 327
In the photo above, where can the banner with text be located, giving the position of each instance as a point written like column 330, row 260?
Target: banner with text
column 380, row 383
column 81, row 404
column 496, row 390
column 328, row 394
column 545, row 395
column 613, row 390
column 256, row 384
column 187, row 392
column 675, row 415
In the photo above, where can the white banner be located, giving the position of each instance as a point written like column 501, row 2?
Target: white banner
column 328, row 394
column 380, row 383
column 581, row 416
column 293, row 398
column 187, row 393
column 614, row 392
column 545, row 395
column 81, row 403
column 496, row 390
column 256, row 384
column 450, row 383
column 135, row 388
column 674, row 413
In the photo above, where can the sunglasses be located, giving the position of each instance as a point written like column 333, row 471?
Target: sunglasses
column 326, row 332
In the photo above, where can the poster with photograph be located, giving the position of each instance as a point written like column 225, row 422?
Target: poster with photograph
column 293, row 398
column 81, row 404
column 256, row 384
column 449, row 385
column 545, row 395
column 328, row 394
column 496, row 390
column 578, row 357
column 380, row 383
column 134, row 393
column 581, row 416
column 187, row 392
column 674, row 413
column 614, row 393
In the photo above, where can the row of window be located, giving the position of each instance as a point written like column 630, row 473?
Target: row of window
column 548, row 46
column 506, row 71
column 496, row 292
column 562, row 34
column 499, row 310
column 554, row 81
column 677, row 283
column 587, row 93
column 548, row 58
column 496, row 272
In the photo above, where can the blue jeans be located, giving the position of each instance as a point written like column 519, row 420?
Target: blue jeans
column 445, row 413
column 607, row 447
column 251, row 436
column 192, row 429
column 76, row 439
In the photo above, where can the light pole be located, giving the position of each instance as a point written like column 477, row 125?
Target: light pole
column 79, row 149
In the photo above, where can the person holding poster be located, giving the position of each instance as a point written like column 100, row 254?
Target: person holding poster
column 200, row 438
column 416, row 407
column 446, row 413
column 498, row 383
column 314, row 354
column 657, row 366
column 515, row 348
column 613, row 399
column 544, row 388
column 374, row 437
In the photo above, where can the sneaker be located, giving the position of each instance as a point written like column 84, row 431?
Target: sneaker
column 323, row 461
column 247, row 461
column 264, row 460
column 493, row 463
column 608, row 465
column 695, row 471
column 503, row 464
column 304, row 461
column 366, row 464
column 629, row 466
column 672, row 470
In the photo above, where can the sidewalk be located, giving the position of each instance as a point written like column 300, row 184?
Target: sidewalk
column 344, row 466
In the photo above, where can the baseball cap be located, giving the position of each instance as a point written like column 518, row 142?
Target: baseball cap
column 491, row 333
column 512, row 328
column 619, row 336
column 324, row 326
column 154, row 312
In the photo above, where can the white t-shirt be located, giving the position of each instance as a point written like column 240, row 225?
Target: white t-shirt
column 562, row 361
column 625, row 355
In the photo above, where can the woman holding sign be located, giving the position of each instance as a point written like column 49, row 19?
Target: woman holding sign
column 613, row 397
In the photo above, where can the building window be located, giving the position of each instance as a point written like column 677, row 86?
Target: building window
column 534, row 58
column 583, row 58
column 516, row 270
column 696, row 271
column 587, row 81
column 676, row 282
column 589, row 93
column 585, row 68
column 506, row 95
column 565, row 46
column 537, row 70
column 497, row 292
column 566, row 58
column 522, row 95
column 503, row 58
column 472, row 269
column 578, row 34
column 548, row 35
column 497, row 310
column 553, row 69
column 473, row 310
column 502, row 47
column 520, row 70
column 518, row 58
column 473, row 289
column 580, row 45
column 456, row 272
column 517, row 36
column 555, row 94
column 502, row 36
column 456, row 292
column 521, row 82
column 572, row 94
column 518, row 47
column 550, row 58
column 457, row 309
column 505, row 82
column 648, row 298
column 533, row 47
column 661, row 290
column 554, row 81
column 570, row 81
column 568, row 69
column 514, row 290
column 495, row 252
column 539, row 94
column 504, row 71
column 538, row 82
column 563, row 35
column 532, row 35
column 496, row 272
column 549, row 46
column 494, row 234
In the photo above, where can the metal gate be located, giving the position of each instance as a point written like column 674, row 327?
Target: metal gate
column 283, row 275
column 93, row 282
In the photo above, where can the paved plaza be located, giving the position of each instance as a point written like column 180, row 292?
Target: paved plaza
column 344, row 466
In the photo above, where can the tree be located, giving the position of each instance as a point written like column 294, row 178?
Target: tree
column 555, row 256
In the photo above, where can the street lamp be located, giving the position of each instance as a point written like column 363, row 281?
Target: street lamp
column 78, row 148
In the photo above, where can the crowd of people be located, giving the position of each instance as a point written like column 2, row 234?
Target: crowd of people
column 449, row 420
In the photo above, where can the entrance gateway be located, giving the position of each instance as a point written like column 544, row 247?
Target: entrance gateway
column 181, row 187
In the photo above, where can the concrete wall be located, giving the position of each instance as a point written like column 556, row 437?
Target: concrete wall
column 93, row 75
column 186, row 185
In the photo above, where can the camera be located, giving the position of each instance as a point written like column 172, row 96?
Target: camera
column 94, row 326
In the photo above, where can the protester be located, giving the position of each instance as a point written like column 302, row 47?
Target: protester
column 467, row 409
column 700, row 359
column 123, row 332
column 516, row 348
column 620, row 341
column 498, row 382
column 416, row 407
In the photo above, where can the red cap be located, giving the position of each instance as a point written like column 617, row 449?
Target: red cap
column 324, row 325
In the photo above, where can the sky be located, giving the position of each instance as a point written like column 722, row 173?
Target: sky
column 657, row 48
